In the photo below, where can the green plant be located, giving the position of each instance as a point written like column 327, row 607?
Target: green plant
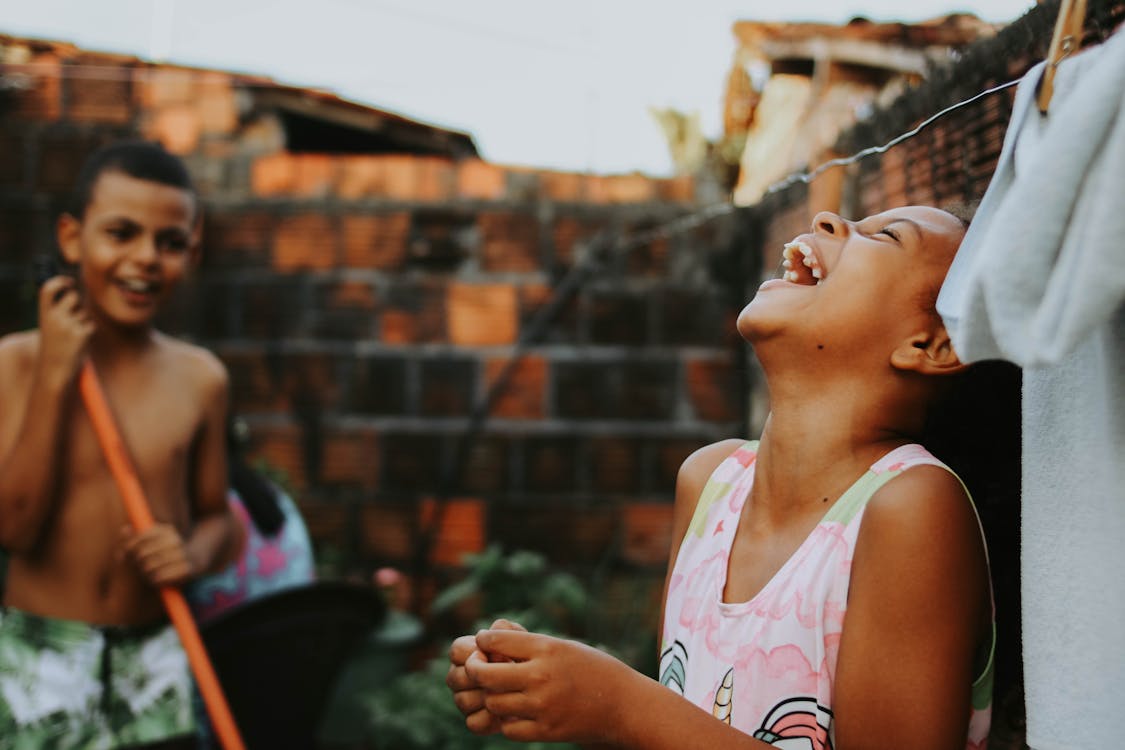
column 416, row 710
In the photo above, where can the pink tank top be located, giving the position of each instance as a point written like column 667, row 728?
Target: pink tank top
column 766, row 666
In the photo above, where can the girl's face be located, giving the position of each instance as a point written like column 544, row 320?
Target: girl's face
column 854, row 286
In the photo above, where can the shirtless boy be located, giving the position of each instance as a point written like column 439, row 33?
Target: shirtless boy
column 87, row 658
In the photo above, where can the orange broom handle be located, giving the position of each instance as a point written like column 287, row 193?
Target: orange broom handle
column 136, row 506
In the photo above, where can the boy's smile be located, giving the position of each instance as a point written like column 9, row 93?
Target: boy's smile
column 134, row 244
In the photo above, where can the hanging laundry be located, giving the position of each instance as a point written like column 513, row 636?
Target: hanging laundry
column 1040, row 281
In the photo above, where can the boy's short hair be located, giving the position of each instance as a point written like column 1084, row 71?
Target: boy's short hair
column 140, row 159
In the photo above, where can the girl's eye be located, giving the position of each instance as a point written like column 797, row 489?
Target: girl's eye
column 890, row 233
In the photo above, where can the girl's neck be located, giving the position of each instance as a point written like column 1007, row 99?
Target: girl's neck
column 818, row 439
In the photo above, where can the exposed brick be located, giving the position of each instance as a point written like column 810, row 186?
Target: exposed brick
column 22, row 234
column 279, row 446
column 374, row 240
column 312, row 382
column 679, row 189
column 486, row 466
column 328, row 522
column 582, row 390
column 460, row 529
column 271, row 310
column 693, row 317
column 401, row 177
column 481, row 180
column 13, row 170
column 61, row 155
column 618, row 317
column 564, row 328
column 388, row 529
column 714, row 390
column 306, row 241
column 158, row 86
column 648, row 391
column 551, row 464
column 314, row 176
column 218, row 110
column 481, row 314
column 597, row 189
column 345, row 312
column 524, row 394
column 378, row 385
column 237, row 238
column 440, row 239
column 17, row 304
column 647, row 532
column 448, row 386
column 670, row 455
column 641, row 390
column 253, row 387
column 97, row 99
column 412, row 461
column 414, row 313
column 509, row 241
column 568, row 231
column 300, row 175
column 43, row 101
column 273, row 174
column 563, row 186
column 351, row 458
column 563, row 533
column 176, row 126
column 630, row 188
column 615, row 464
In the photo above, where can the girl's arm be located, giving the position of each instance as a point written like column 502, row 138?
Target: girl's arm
column 918, row 614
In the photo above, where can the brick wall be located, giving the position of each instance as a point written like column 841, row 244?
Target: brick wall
column 364, row 303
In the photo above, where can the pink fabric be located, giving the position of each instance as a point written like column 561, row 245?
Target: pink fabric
column 776, row 652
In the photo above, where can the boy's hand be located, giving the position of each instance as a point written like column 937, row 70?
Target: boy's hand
column 467, row 694
column 160, row 554
column 65, row 329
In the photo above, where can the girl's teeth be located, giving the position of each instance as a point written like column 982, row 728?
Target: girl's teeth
column 790, row 276
column 816, row 274
column 787, row 263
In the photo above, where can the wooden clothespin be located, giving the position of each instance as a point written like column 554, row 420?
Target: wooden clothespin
column 1064, row 42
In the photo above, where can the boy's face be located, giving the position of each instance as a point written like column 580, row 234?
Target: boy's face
column 135, row 243
column 876, row 276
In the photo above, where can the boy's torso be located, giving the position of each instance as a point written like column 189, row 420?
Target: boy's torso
column 76, row 571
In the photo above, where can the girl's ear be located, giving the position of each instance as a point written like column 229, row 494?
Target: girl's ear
column 928, row 352
column 68, row 232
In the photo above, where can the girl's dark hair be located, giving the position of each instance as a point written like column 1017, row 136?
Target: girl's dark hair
column 140, row 159
column 258, row 494
column 974, row 427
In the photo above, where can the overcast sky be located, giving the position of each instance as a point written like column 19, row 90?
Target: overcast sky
column 563, row 85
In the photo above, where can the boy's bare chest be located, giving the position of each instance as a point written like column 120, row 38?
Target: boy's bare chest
column 157, row 420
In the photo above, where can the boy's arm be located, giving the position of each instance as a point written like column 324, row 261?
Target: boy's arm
column 215, row 538
column 164, row 557
column 31, row 431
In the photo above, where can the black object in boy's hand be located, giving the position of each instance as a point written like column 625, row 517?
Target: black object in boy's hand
column 45, row 268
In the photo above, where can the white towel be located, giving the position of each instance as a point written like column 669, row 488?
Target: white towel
column 1040, row 281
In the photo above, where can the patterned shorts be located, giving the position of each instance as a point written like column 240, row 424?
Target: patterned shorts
column 66, row 684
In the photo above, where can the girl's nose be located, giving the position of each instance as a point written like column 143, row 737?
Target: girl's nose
column 829, row 223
